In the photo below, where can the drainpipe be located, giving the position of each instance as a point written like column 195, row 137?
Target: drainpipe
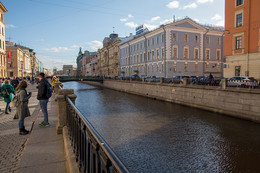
column 222, row 55
column 248, row 41
column 164, row 35
column 145, row 45
column 204, row 42
column 129, row 58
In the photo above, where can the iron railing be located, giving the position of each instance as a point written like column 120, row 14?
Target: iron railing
column 93, row 154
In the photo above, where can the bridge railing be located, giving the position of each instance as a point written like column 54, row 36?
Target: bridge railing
column 93, row 154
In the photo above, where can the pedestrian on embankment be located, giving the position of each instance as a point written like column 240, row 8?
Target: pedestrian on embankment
column 15, row 82
column 44, row 93
column 7, row 90
column 22, row 109
column 53, row 81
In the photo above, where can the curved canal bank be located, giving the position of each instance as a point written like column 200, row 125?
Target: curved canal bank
column 154, row 136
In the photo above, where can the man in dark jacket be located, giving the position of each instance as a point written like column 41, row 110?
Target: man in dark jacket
column 42, row 97
column 15, row 82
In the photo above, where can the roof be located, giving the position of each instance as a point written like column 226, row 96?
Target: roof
column 3, row 7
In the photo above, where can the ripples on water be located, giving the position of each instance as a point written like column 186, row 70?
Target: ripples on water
column 155, row 136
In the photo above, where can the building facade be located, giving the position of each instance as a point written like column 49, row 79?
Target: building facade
column 176, row 49
column 242, row 38
column 3, row 58
column 79, row 62
column 108, row 57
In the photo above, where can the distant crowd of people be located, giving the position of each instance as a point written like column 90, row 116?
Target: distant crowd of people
column 14, row 89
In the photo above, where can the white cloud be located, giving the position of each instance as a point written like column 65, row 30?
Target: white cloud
column 191, row 6
column 130, row 16
column 56, row 49
column 10, row 26
column 124, row 19
column 220, row 23
column 155, row 18
column 216, row 17
column 196, row 20
column 151, row 27
column 94, row 45
column 131, row 24
column 204, row 1
column 173, row 4
column 166, row 21
column 74, row 46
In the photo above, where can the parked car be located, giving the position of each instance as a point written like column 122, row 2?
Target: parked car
column 152, row 79
column 135, row 77
column 206, row 81
column 242, row 81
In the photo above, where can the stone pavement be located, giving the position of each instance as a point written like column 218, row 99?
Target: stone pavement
column 11, row 143
column 44, row 151
column 40, row 151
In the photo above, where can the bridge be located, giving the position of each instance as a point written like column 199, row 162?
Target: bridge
column 80, row 78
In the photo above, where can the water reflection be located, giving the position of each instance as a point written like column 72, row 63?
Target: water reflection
column 154, row 136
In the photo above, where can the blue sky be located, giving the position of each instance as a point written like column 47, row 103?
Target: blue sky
column 56, row 29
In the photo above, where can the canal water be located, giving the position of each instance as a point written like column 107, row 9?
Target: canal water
column 155, row 136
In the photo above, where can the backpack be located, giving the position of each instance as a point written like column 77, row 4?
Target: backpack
column 49, row 90
column 5, row 93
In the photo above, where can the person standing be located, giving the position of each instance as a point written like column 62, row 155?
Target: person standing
column 22, row 109
column 15, row 82
column 7, row 90
column 43, row 98
column 53, row 81
column 1, row 84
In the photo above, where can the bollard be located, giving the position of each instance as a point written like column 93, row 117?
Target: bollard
column 185, row 82
column 60, row 98
column 224, row 83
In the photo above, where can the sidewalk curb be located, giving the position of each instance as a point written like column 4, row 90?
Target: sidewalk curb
column 71, row 164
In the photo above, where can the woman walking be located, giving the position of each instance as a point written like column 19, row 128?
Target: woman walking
column 6, row 91
column 22, row 109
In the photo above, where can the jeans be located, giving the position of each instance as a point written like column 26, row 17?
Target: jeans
column 43, row 104
column 21, row 124
column 7, row 106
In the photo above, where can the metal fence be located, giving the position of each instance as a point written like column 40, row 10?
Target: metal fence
column 92, row 152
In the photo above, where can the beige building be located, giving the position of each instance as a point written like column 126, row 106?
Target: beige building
column 3, row 59
column 108, row 57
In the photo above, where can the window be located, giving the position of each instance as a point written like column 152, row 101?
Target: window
column 239, row 20
column 207, row 53
column 207, row 67
column 186, row 52
column 157, row 54
column 196, row 67
column 153, row 55
column 218, row 67
column 185, row 67
column 138, row 46
column 196, row 53
column 157, row 68
column 175, row 49
column 238, row 43
column 174, row 37
column 137, row 57
column 141, row 58
column 239, row 2
column 149, row 55
column 237, row 70
column 152, row 41
column 148, row 43
column 218, row 54
column 157, row 39
column 196, row 39
column 218, row 41
column 207, row 40
column 185, row 37
column 163, row 53
column 162, row 37
column 174, row 68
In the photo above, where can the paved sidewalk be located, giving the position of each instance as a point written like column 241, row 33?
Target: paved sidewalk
column 11, row 143
column 44, row 151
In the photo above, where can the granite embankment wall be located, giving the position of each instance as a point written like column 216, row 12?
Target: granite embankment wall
column 237, row 102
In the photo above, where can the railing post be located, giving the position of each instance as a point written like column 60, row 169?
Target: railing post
column 224, row 83
column 60, row 98
column 161, row 80
column 57, row 87
column 185, row 81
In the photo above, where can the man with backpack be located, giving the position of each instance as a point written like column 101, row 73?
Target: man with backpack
column 44, row 93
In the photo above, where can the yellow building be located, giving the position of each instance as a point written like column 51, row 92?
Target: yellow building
column 3, row 59
column 16, row 68
column 108, row 57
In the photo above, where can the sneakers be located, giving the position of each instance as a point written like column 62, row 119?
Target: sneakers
column 10, row 110
column 44, row 124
